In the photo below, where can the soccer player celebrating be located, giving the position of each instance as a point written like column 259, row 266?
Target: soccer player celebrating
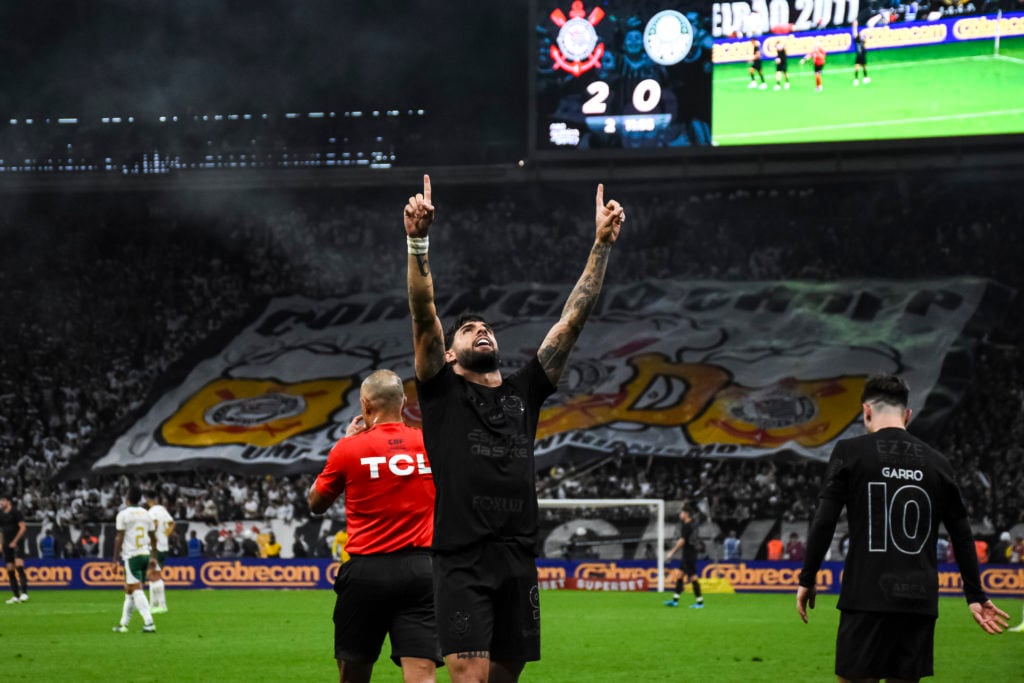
column 387, row 585
column 688, row 559
column 135, row 539
column 896, row 490
column 12, row 529
column 164, row 527
column 781, row 66
column 860, row 60
column 817, row 57
column 479, row 427
column 755, row 65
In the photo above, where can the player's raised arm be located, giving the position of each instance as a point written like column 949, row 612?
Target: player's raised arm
column 427, row 333
column 554, row 351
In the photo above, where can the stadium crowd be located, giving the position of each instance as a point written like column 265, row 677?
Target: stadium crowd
column 105, row 293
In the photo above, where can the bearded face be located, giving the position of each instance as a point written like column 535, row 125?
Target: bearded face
column 475, row 348
column 478, row 360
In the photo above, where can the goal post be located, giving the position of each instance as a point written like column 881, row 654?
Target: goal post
column 655, row 506
column 999, row 27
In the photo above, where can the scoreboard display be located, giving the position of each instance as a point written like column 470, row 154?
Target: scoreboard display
column 620, row 75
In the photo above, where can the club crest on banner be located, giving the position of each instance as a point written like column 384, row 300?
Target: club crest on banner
column 809, row 413
column 665, row 368
column 253, row 412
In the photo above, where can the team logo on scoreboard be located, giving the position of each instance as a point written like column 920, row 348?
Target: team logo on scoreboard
column 577, row 48
column 668, row 37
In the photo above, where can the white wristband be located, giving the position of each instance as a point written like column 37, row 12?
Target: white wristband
column 418, row 245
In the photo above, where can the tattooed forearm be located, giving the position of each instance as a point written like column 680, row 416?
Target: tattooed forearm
column 553, row 355
column 424, row 265
column 554, row 351
column 584, row 295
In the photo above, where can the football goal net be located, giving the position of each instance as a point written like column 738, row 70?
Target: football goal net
column 604, row 529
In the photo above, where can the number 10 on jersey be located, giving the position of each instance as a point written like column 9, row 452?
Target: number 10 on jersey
column 903, row 519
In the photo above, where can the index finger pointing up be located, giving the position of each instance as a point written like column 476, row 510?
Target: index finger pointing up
column 600, row 195
column 426, row 188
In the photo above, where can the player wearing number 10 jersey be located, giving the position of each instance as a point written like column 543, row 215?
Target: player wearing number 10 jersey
column 896, row 490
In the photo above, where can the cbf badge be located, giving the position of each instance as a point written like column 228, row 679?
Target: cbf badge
column 577, row 48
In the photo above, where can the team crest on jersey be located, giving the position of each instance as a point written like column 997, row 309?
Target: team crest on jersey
column 458, row 624
column 577, row 48
column 253, row 412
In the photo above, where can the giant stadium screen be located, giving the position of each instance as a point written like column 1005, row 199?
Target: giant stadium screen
column 630, row 76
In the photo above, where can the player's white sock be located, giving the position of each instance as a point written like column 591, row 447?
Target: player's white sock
column 126, row 611
column 156, row 593
column 141, row 604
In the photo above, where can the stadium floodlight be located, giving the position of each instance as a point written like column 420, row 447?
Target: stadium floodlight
column 655, row 505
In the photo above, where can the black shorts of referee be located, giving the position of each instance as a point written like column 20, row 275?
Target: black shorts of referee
column 388, row 594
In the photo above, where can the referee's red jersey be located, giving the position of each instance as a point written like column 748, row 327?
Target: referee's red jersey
column 389, row 490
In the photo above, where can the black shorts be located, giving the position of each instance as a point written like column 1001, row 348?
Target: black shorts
column 487, row 601
column 877, row 645
column 10, row 554
column 755, row 65
column 688, row 563
column 380, row 595
column 818, row 68
column 861, row 59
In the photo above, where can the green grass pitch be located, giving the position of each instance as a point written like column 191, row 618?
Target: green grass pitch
column 934, row 91
column 595, row 637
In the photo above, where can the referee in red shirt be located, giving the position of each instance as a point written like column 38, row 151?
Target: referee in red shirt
column 387, row 587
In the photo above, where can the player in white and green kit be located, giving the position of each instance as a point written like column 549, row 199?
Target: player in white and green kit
column 135, row 538
column 164, row 526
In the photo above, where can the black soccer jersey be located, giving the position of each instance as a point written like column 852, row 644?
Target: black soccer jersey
column 9, row 522
column 480, row 443
column 783, row 60
column 688, row 532
column 896, row 490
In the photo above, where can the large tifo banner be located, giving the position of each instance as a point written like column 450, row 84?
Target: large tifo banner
column 628, row 575
column 666, row 368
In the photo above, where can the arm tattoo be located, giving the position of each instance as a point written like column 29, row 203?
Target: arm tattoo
column 424, row 265
column 554, row 353
column 584, row 295
column 554, row 356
